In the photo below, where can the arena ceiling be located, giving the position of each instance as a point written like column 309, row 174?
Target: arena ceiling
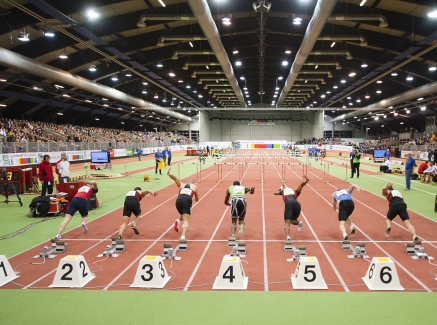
column 191, row 55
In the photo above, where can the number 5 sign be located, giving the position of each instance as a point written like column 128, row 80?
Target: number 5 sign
column 382, row 275
column 308, row 274
column 72, row 272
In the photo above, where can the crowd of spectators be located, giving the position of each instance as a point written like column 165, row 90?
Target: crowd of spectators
column 319, row 141
column 21, row 132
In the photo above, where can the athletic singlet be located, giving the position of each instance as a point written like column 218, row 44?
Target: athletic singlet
column 394, row 197
column 86, row 192
column 186, row 190
column 342, row 195
column 289, row 195
column 237, row 191
column 134, row 194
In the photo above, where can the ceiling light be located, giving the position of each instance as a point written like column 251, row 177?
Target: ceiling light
column 394, row 74
column 348, row 97
column 358, row 100
column 423, row 108
column 333, row 44
column 92, row 67
column 144, row 82
column 162, row 3
column 343, row 81
column 352, row 74
column 114, row 78
column 297, row 20
column 105, row 105
column 379, row 81
column 280, row 78
column 195, row 91
column 287, row 51
column 362, row 3
column 171, row 74
column 367, row 96
column 188, row 86
column 180, row 81
column 191, row 44
column 235, row 51
column 156, row 96
column 328, row 92
column 316, row 66
column 432, row 68
column 128, row 74
column 242, row 78
column 433, row 14
column 59, row 86
column 144, row 91
column 60, row 113
column 376, row 118
column 226, row 20
column 407, row 111
column 63, row 55
column 88, row 101
column 48, row 33
column 335, row 87
column 401, row 123
column 284, row 63
column 122, row 122
column 238, row 63
column 23, row 36
column 409, row 78
column 378, row 91
column 351, row 103
column 364, row 65
column 159, row 65
column 164, row 100
column 395, row 114
column 92, row 14
column 97, row 119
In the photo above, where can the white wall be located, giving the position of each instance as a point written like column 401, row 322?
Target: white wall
column 339, row 126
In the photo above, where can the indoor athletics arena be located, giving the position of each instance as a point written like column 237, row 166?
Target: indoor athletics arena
column 201, row 161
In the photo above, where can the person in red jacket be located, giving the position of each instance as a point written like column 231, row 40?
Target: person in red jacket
column 45, row 175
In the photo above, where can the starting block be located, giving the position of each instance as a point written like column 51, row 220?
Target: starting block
column 416, row 251
column 239, row 249
column 298, row 253
column 151, row 273
column 358, row 251
column 7, row 274
column 382, row 275
column 57, row 247
column 183, row 245
column 72, row 272
column 308, row 274
column 116, row 248
column 231, row 275
column 288, row 246
column 169, row 253
column 231, row 242
column 346, row 245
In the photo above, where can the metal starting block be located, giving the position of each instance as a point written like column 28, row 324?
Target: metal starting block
column 416, row 251
column 57, row 247
column 116, row 247
column 169, row 253
column 346, row 245
column 359, row 251
column 183, row 245
column 298, row 253
column 239, row 249
column 288, row 246
column 231, row 242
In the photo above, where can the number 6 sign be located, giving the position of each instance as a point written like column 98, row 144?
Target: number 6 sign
column 382, row 275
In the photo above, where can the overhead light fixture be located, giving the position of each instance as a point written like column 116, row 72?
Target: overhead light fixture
column 114, row 78
column 188, row 86
column 48, row 33
column 59, row 86
column 394, row 74
column 284, row 63
column 162, row 3
column 144, row 82
column 316, row 66
column 156, row 96
column 191, row 44
column 88, row 101
column 401, row 123
column 407, row 111
column 92, row 68
column 433, row 14
column 23, row 36
column 235, row 51
column 420, row 98
column 171, row 74
column 378, row 91
column 287, row 51
column 364, row 65
column 59, row 113
column 122, row 122
column 92, row 14
column 423, row 108
column 242, row 78
column 333, row 44
column 432, row 68
column 144, row 91
column 180, row 81
column 280, row 78
column 97, row 119
column 128, row 74
column 409, row 78
column 343, row 81
column 297, row 20
column 335, row 87
column 352, row 74
column 104, row 98
column 159, row 65
column 226, row 20
column 362, row 3
column 238, row 63
column 379, row 81
column 63, row 55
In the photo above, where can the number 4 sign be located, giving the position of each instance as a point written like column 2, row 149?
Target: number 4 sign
column 308, row 274
column 7, row 274
column 231, row 275
column 72, row 272
column 382, row 275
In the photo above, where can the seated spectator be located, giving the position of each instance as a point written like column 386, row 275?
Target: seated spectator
column 430, row 172
column 385, row 167
column 422, row 167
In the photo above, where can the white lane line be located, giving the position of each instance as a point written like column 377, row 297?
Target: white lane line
column 266, row 276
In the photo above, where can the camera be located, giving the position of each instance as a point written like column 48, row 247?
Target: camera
column 3, row 174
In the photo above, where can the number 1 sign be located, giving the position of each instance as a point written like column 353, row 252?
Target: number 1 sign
column 7, row 274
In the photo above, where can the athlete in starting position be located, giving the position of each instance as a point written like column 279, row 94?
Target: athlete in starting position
column 132, row 205
column 342, row 200
column 292, row 206
column 397, row 207
column 238, row 205
column 184, row 202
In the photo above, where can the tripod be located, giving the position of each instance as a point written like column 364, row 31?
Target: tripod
column 127, row 174
column 6, row 184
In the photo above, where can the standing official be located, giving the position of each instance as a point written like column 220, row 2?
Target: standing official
column 45, row 175
column 158, row 158
column 169, row 156
column 356, row 164
column 63, row 169
column 409, row 168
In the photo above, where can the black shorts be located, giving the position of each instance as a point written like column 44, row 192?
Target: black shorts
column 183, row 204
column 238, row 208
column 131, row 205
column 78, row 204
column 292, row 210
column 398, row 210
column 345, row 209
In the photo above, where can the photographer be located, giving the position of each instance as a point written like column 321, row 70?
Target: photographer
column 45, row 175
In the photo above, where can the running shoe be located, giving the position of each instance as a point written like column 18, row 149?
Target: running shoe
column 240, row 232
column 135, row 230
column 345, row 237
column 415, row 238
column 57, row 238
column 352, row 231
column 176, row 225
column 85, row 228
column 387, row 232
column 233, row 235
column 119, row 237
column 299, row 226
